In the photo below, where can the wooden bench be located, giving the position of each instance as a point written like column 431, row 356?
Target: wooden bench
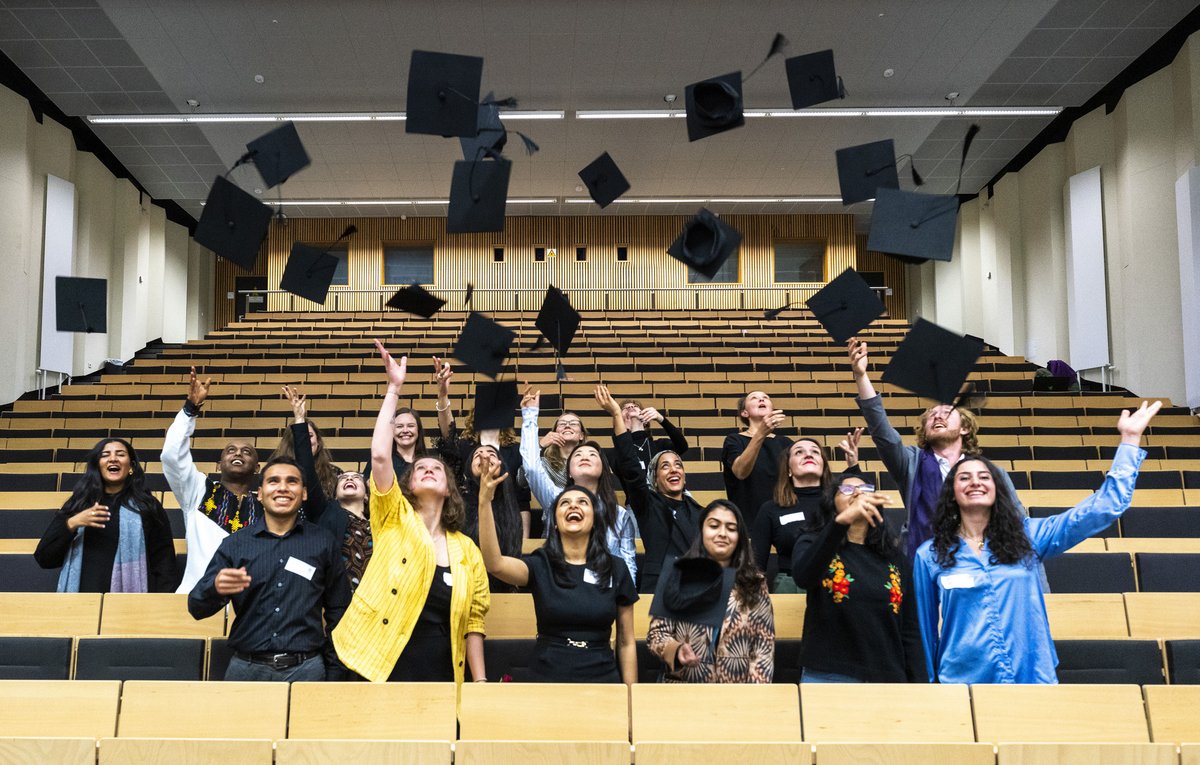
column 49, row 614
column 417, row 711
column 715, row 713
column 886, row 712
column 202, row 709
column 70, row 708
column 1059, row 713
column 155, row 613
column 547, row 712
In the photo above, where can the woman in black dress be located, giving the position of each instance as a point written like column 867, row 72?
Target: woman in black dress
column 804, row 476
column 112, row 535
column 579, row 589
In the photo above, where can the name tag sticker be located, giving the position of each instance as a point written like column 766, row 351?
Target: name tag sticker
column 590, row 577
column 958, row 581
column 448, row 578
column 790, row 518
column 299, row 567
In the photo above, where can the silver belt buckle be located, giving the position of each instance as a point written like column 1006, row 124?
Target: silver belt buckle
column 577, row 643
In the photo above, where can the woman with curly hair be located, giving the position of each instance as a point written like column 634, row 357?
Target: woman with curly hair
column 979, row 571
column 418, row 614
column 112, row 535
column 327, row 472
column 741, row 647
column 860, row 624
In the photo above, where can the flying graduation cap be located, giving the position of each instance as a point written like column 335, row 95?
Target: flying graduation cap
column 233, row 223
column 604, row 180
column 812, row 79
column 443, row 94
column 705, row 243
column 864, row 168
column 416, row 300
column 933, row 362
column 845, row 306
column 278, row 155
column 916, row 227
column 479, row 185
column 557, row 320
column 714, row 105
column 495, row 404
column 483, row 345
column 310, row 270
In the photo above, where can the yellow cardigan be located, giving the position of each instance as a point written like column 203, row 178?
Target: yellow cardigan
column 385, row 607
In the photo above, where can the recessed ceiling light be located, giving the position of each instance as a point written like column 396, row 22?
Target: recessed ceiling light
column 259, row 79
column 889, row 72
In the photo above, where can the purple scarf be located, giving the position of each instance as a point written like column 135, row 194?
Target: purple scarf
column 927, row 485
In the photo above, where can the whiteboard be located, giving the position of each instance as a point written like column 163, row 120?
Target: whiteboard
column 1087, row 292
column 57, row 350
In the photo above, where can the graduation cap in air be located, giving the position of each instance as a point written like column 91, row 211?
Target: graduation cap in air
column 478, row 194
column 483, row 345
column 278, row 155
column 557, row 320
column 917, row 227
column 604, row 180
column 812, row 79
column 310, row 270
column 80, row 304
column 933, row 362
column 693, row 590
column 845, row 306
column 496, row 404
column 864, row 168
column 705, row 243
column 443, row 94
column 233, row 224
column 715, row 105
column 415, row 299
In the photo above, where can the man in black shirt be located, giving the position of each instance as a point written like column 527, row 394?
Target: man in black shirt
column 281, row 572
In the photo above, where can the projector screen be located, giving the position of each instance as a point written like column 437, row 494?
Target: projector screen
column 1087, row 293
column 58, row 253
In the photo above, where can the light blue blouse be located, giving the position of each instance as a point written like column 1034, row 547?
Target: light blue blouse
column 620, row 539
column 994, row 625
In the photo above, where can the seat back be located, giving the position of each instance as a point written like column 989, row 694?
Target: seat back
column 1091, row 572
column 720, row 713
column 1168, row 572
column 35, row 658
column 114, row 658
column 914, row 712
column 417, row 711
column 1183, row 661
column 1110, row 662
column 511, row 616
column 1059, row 713
column 601, row 712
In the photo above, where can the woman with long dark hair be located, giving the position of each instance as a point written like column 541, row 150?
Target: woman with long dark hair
column 860, row 624
column 506, row 511
column 327, row 472
column 418, row 614
column 586, row 466
column 979, row 571
column 111, row 535
column 741, row 649
column 804, row 476
column 579, row 589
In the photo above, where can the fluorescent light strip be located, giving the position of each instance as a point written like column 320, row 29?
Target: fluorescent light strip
column 865, row 111
column 392, row 202
column 712, row 200
column 177, row 119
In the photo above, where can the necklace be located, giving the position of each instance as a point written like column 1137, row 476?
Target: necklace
column 977, row 541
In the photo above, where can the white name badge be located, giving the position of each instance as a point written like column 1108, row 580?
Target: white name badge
column 957, row 581
column 299, row 567
column 448, row 578
column 790, row 518
column 590, row 577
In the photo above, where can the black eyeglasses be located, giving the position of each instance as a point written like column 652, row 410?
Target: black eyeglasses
column 850, row 488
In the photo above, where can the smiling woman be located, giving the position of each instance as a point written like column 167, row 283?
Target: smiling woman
column 112, row 535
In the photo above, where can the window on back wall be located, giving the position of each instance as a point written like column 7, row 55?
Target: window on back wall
column 408, row 263
column 800, row 261
column 341, row 274
column 727, row 274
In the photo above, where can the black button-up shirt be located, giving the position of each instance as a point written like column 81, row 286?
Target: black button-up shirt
column 280, row 612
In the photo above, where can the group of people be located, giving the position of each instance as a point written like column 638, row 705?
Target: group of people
column 388, row 576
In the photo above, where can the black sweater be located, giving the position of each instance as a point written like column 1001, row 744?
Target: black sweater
column 780, row 527
column 645, row 448
column 100, row 547
column 858, row 631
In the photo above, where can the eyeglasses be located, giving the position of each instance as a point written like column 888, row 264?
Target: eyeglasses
column 568, row 424
column 849, row 488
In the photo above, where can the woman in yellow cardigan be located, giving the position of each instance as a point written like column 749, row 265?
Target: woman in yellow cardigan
column 418, row 613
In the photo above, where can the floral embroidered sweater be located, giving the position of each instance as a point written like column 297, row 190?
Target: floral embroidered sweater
column 861, row 617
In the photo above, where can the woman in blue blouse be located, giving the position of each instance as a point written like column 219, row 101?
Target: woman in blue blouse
column 980, row 569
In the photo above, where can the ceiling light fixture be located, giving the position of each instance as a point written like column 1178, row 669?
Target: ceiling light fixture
column 712, row 200
column 862, row 111
column 393, row 202
column 176, row 119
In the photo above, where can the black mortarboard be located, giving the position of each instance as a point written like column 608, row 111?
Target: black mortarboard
column 933, row 362
column 845, row 305
column 233, row 224
column 916, row 226
column 443, row 94
column 309, row 272
column 490, row 136
column 278, row 155
column 483, row 345
column 705, row 243
column 415, row 299
column 80, row 304
column 812, row 79
column 478, row 193
column 693, row 590
column 714, row 105
column 496, row 404
column 604, row 180
column 864, row 168
column 557, row 320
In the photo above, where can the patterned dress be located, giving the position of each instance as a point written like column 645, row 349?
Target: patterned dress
column 744, row 650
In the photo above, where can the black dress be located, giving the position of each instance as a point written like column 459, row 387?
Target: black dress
column 427, row 657
column 575, row 623
column 751, row 492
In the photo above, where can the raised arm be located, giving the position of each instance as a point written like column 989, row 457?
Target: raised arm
column 382, row 473
column 849, row 447
column 626, row 645
column 1059, row 533
column 607, row 404
column 857, row 350
column 314, row 506
column 442, row 375
column 180, row 471
column 540, row 484
column 514, row 571
column 743, row 464
column 675, row 440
